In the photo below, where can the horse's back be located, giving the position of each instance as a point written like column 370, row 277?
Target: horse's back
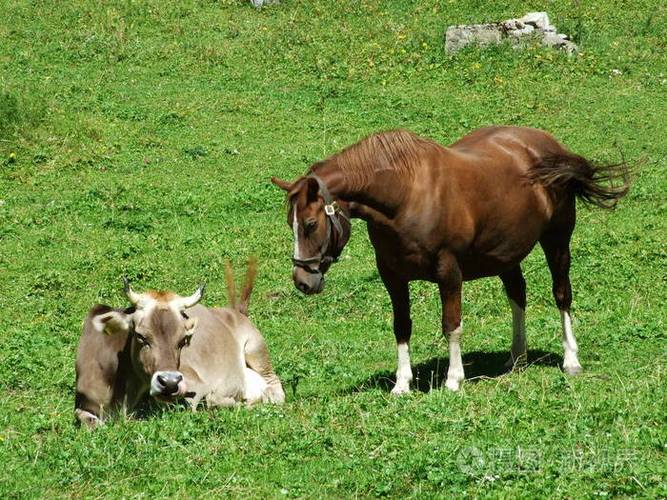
column 527, row 146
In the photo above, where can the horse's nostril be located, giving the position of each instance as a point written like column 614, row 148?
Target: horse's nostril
column 303, row 287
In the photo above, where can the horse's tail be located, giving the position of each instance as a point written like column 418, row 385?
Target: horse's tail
column 600, row 185
column 244, row 300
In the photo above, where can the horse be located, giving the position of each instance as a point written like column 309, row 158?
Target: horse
column 447, row 215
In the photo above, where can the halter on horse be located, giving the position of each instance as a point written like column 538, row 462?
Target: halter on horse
column 334, row 234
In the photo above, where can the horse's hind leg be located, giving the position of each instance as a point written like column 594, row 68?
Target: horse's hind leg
column 450, row 284
column 515, row 288
column 556, row 246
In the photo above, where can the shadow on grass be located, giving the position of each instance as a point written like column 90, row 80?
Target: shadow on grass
column 432, row 373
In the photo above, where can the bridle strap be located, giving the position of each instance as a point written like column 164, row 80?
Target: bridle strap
column 331, row 208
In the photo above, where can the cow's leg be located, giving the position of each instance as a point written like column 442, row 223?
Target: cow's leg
column 399, row 292
column 450, row 285
column 258, row 360
column 515, row 287
column 556, row 246
column 217, row 400
column 87, row 418
column 256, row 388
column 93, row 396
column 196, row 389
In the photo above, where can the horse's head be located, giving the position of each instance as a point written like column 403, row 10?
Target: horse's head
column 321, row 227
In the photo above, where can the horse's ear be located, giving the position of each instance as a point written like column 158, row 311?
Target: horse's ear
column 284, row 185
column 313, row 189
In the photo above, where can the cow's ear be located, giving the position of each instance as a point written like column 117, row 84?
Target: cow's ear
column 191, row 326
column 112, row 322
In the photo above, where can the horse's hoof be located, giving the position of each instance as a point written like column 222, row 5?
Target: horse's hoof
column 573, row 370
column 452, row 384
column 398, row 390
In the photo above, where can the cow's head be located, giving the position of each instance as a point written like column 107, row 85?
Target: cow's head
column 159, row 328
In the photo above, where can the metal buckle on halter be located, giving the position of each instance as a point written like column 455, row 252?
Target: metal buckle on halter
column 331, row 209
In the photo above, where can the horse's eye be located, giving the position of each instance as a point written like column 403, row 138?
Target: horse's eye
column 309, row 226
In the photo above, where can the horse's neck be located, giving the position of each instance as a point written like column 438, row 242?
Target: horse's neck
column 382, row 195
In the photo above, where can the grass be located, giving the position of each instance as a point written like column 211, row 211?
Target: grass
column 138, row 138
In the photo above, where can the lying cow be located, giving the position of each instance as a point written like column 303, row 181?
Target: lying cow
column 170, row 347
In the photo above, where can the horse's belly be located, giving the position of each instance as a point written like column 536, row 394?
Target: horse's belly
column 479, row 264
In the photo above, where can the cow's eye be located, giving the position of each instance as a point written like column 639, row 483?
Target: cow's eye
column 143, row 341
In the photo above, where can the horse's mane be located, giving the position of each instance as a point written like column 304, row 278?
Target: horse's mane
column 395, row 150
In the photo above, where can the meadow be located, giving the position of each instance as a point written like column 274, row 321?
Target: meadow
column 138, row 139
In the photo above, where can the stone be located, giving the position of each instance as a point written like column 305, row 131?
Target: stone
column 539, row 20
column 534, row 25
column 458, row 37
column 526, row 29
column 262, row 3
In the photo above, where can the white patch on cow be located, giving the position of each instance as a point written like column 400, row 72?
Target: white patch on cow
column 519, row 349
column 295, row 227
column 570, row 360
column 455, row 373
column 255, row 386
column 404, row 371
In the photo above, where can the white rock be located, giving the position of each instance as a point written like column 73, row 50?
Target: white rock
column 538, row 19
column 261, row 3
column 458, row 37
column 532, row 24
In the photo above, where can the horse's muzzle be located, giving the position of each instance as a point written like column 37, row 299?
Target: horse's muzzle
column 308, row 282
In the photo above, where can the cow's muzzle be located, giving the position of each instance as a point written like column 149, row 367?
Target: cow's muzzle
column 168, row 384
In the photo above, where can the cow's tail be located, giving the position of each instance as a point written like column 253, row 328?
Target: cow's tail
column 600, row 185
column 244, row 300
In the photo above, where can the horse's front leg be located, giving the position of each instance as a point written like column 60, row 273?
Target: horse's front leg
column 399, row 293
column 450, row 285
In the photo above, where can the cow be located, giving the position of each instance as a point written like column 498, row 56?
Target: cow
column 171, row 347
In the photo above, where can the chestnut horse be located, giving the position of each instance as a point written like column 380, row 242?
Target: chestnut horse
column 448, row 215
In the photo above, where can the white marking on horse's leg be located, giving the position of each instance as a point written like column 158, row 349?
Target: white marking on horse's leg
column 519, row 356
column 455, row 372
column 295, row 227
column 404, row 371
column 571, row 364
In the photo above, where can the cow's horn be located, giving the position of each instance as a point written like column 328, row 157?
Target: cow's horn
column 132, row 296
column 185, row 302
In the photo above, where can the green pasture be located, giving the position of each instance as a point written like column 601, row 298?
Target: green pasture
column 138, row 138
